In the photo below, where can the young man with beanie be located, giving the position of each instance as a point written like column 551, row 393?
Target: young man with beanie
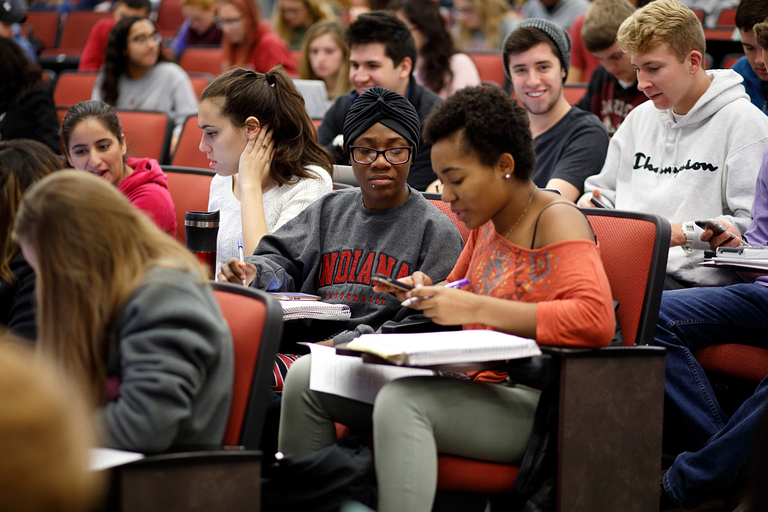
column 382, row 53
column 570, row 144
column 751, row 65
column 612, row 91
column 693, row 151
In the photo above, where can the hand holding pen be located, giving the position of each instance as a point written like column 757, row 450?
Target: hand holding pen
column 455, row 284
column 446, row 305
column 242, row 255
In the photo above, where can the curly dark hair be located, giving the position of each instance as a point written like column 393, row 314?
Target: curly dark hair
column 17, row 73
column 491, row 124
column 437, row 47
column 384, row 28
column 115, row 59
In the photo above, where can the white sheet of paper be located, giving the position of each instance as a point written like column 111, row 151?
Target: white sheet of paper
column 105, row 458
column 349, row 377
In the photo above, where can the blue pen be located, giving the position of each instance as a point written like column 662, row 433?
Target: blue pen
column 455, row 284
column 242, row 254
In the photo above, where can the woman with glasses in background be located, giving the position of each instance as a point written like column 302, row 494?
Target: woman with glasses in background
column 292, row 18
column 248, row 42
column 482, row 25
column 137, row 75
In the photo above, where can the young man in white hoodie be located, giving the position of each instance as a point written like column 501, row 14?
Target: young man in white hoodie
column 693, row 151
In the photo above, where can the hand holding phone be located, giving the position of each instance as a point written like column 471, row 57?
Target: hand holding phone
column 398, row 285
column 711, row 224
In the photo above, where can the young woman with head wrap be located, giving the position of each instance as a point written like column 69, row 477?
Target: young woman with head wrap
column 333, row 246
column 533, row 271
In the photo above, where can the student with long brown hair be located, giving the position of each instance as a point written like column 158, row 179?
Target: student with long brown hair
column 262, row 145
column 128, row 312
column 325, row 56
column 292, row 18
column 22, row 163
column 248, row 42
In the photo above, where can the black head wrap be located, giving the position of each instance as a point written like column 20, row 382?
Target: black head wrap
column 379, row 105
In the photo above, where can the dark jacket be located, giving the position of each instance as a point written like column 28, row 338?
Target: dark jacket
column 17, row 300
column 33, row 117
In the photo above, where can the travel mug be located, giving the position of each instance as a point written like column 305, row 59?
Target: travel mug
column 201, row 229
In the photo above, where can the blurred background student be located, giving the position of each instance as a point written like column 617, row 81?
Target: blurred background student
column 261, row 143
column 94, row 142
column 45, row 438
column 140, row 328
column 439, row 67
column 22, row 163
column 482, row 25
column 138, row 76
column 93, row 53
column 199, row 27
column 325, row 56
column 292, row 18
column 248, row 42
column 26, row 102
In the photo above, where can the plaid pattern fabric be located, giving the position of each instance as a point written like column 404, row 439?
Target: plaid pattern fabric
column 280, row 369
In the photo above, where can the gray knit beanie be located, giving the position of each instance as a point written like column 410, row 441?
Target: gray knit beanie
column 555, row 32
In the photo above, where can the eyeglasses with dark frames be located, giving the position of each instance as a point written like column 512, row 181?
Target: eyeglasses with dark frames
column 395, row 156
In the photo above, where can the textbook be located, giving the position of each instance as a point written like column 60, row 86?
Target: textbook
column 445, row 347
column 297, row 309
column 745, row 258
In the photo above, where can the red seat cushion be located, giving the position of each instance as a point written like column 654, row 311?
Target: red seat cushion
column 460, row 474
column 741, row 361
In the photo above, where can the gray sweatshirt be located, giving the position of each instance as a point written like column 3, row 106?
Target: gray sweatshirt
column 332, row 248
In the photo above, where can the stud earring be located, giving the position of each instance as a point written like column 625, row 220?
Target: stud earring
column 507, row 176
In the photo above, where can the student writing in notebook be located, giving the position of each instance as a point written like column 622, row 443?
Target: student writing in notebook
column 533, row 270
column 333, row 247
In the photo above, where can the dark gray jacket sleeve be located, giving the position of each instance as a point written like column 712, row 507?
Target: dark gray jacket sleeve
column 169, row 337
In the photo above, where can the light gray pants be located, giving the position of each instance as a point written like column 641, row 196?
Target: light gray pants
column 412, row 419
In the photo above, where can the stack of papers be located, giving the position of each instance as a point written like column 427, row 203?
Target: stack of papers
column 447, row 347
column 748, row 258
column 298, row 309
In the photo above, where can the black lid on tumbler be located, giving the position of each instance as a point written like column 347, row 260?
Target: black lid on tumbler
column 201, row 229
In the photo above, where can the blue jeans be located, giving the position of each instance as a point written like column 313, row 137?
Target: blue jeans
column 695, row 318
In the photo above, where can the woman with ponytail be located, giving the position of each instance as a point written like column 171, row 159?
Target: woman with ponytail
column 262, row 145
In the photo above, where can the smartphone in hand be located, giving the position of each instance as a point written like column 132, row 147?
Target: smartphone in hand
column 711, row 224
column 381, row 278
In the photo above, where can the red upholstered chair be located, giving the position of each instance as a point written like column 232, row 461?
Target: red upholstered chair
column 202, row 60
column 169, row 18
column 73, row 87
column 147, row 133
column 46, row 26
column 189, row 190
column 727, row 18
column 611, row 399
column 490, row 67
column 199, row 82
column 188, row 152
column 436, row 199
column 256, row 321
column 75, row 33
column 574, row 92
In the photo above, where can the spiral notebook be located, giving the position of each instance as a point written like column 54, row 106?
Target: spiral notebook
column 298, row 309
column 446, row 347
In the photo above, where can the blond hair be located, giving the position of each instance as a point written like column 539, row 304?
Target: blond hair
column 491, row 14
column 761, row 34
column 317, row 10
column 602, row 21
column 663, row 21
column 335, row 29
column 93, row 250
column 45, row 437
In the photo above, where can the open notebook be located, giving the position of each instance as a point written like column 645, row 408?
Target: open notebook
column 446, row 347
column 297, row 309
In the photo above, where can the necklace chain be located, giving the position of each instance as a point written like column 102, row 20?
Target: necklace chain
column 520, row 217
